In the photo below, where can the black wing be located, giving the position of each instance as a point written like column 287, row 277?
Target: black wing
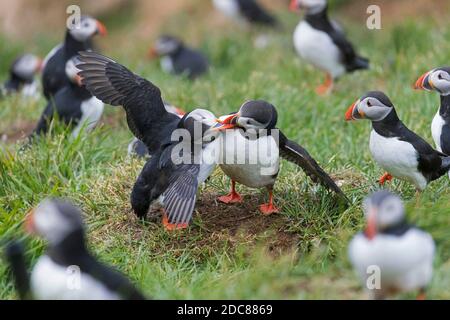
column 255, row 13
column 114, row 84
column 297, row 154
column 15, row 256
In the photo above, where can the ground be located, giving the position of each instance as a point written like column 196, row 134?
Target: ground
column 233, row 251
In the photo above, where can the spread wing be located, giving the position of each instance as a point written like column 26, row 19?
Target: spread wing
column 295, row 153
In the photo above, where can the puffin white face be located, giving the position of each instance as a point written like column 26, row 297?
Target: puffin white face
column 27, row 66
column 87, row 28
column 374, row 107
column 382, row 210
column 311, row 6
column 72, row 71
column 436, row 79
column 164, row 46
column 54, row 220
column 204, row 116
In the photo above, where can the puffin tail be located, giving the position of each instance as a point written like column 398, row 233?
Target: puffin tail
column 359, row 63
column 15, row 255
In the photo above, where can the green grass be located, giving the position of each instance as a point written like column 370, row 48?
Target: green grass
column 207, row 261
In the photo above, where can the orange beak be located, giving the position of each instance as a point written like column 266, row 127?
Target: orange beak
column 78, row 80
column 101, row 29
column 29, row 222
column 371, row 229
column 152, row 53
column 422, row 82
column 227, row 123
column 293, row 6
column 40, row 65
column 349, row 113
column 179, row 111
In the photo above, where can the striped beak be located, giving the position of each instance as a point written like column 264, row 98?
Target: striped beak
column 424, row 82
column 152, row 53
column 101, row 29
column 371, row 229
column 353, row 112
column 29, row 222
column 227, row 123
column 293, row 6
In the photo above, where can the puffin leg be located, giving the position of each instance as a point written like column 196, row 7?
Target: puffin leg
column 269, row 208
column 418, row 197
column 327, row 86
column 422, row 295
column 385, row 177
column 233, row 196
column 172, row 226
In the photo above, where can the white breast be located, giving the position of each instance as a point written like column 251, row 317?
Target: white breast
column 399, row 158
column 405, row 262
column 229, row 8
column 317, row 48
column 436, row 130
column 50, row 281
column 167, row 64
column 253, row 163
column 92, row 110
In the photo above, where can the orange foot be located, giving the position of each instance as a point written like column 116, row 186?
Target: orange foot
column 326, row 87
column 172, row 226
column 233, row 197
column 268, row 208
column 385, row 177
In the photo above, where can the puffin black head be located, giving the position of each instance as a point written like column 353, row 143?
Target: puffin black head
column 310, row 6
column 26, row 66
column 72, row 71
column 54, row 220
column 374, row 105
column 436, row 79
column 87, row 28
column 165, row 46
column 382, row 210
column 253, row 115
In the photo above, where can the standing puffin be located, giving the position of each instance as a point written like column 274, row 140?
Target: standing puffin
column 67, row 270
column 252, row 149
column 78, row 38
column 398, row 150
column 73, row 104
column 439, row 80
column 246, row 10
column 177, row 58
column 21, row 76
column 323, row 44
column 403, row 253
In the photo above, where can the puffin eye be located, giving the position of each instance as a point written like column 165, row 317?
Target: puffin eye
column 369, row 104
column 440, row 76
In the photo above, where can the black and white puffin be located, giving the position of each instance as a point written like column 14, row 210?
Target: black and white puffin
column 73, row 104
column 439, row 80
column 68, row 270
column 252, row 150
column 322, row 43
column 395, row 148
column 177, row 58
column 78, row 38
column 150, row 122
column 137, row 147
column 246, row 10
column 403, row 254
column 22, row 76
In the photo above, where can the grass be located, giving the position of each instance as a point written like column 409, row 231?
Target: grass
column 299, row 254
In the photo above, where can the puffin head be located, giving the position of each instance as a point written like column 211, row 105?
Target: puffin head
column 374, row 106
column 54, row 220
column 436, row 79
column 310, row 6
column 87, row 28
column 198, row 122
column 382, row 210
column 72, row 71
column 26, row 66
column 165, row 46
column 252, row 115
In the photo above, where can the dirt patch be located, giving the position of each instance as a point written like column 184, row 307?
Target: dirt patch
column 18, row 131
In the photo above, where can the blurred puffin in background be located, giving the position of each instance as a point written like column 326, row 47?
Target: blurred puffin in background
column 322, row 43
column 67, row 261
column 177, row 58
column 22, row 76
column 403, row 253
column 73, row 104
column 78, row 38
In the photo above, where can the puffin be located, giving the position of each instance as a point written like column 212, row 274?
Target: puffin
column 246, row 10
column 78, row 38
column 322, row 43
column 138, row 148
column 403, row 253
column 179, row 59
column 252, row 149
column 73, row 104
column 395, row 148
column 68, row 270
column 150, row 121
column 438, row 80
column 22, row 76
